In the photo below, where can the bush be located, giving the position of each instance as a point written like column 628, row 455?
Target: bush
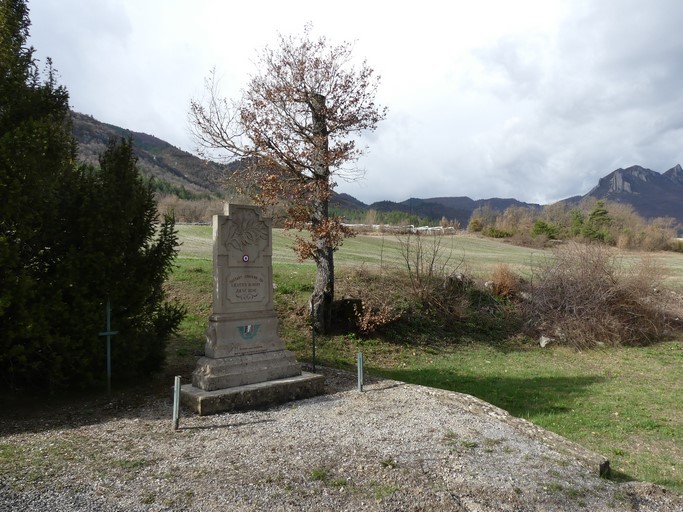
column 586, row 296
column 475, row 225
column 427, row 262
column 541, row 227
column 505, row 283
column 493, row 232
column 101, row 242
column 379, row 299
column 450, row 296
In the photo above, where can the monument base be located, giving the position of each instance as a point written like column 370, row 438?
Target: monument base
column 252, row 396
column 228, row 372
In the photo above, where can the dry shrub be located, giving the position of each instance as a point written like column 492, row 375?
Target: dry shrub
column 381, row 296
column 438, row 280
column 371, row 317
column 586, row 295
column 505, row 282
column 624, row 241
column 658, row 236
column 428, row 261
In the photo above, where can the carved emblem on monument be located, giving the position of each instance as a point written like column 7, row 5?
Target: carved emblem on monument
column 248, row 331
column 247, row 237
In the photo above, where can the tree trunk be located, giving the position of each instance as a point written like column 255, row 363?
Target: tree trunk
column 323, row 291
column 323, row 254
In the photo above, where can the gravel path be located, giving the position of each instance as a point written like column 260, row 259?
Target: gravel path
column 394, row 447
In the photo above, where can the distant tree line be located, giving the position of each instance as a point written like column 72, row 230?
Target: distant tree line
column 615, row 224
column 72, row 237
column 392, row 218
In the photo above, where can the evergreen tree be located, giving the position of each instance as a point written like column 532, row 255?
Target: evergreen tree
column 598, row 223
column 577, row 222
column 542, row 227
column 71, row 237
column 36, row 151
column 136, row 257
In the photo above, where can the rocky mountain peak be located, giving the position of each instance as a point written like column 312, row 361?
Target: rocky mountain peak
column 625, row 181
column 675, row 174
column 650, row 193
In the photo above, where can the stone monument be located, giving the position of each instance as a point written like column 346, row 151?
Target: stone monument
column 245, row 363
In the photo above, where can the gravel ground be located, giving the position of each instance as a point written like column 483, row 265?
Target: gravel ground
column 394, row 447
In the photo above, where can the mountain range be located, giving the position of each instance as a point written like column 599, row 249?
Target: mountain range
column 650, row 193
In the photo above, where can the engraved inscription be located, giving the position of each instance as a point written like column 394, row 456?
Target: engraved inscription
column 246, row 288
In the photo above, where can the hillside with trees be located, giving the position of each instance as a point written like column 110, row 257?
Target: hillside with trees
column 174, row 171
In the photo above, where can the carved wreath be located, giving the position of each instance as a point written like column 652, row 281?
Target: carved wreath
column 246, row 231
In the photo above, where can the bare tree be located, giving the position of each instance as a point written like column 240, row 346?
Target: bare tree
column 294, row 127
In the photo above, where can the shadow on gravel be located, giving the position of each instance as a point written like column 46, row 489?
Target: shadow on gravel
column 33, row 413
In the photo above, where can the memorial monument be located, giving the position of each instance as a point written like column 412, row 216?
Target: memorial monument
column 245, row 363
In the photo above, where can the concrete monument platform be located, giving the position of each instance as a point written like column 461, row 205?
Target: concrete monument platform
column 252, row 396
column 245, row 363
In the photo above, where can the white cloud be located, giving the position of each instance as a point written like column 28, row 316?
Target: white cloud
column 530, row 99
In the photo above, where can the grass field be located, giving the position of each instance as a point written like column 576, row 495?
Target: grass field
column 477, row 255
column 621, row 402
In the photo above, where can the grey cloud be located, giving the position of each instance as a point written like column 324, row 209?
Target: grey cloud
column 604, row 92
column 633, row 49
column 517, row 62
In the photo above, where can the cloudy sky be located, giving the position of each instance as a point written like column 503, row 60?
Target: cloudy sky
column 531, row 99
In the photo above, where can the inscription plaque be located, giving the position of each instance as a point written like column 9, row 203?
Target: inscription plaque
column 245, row 288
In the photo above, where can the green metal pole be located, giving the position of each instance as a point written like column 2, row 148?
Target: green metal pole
column 108, row 348
column 313, row 336
column 108, row 333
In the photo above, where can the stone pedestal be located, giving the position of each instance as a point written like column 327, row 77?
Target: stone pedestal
column 242, row 346
column 251, row 396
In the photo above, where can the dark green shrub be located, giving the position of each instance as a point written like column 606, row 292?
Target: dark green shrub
column 542, row 228
column 494, row 232
column 71, row 237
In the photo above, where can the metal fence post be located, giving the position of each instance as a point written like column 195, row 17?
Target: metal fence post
column 360, row 371
column 176, row 403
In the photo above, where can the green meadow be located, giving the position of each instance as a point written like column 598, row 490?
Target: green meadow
column 478, row 255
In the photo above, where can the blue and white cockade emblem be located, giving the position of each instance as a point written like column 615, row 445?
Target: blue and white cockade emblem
column 248, row 331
